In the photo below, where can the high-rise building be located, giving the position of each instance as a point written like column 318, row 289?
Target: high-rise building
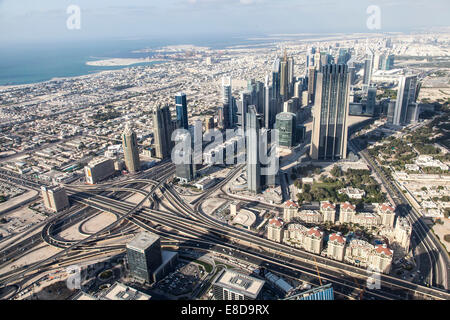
column 386, row 62
column 232, row 285
column 55, row 198
column 312, row 84
column 162, row 123
column 406, row 96
column 228, row 108
column 130, row 150
column 209, row 123
column 367, row 71
column 98, row 169
column 276, row 85
column 284, row 79
column 144, row 255
column 391, row 111
column 330, row 124
column 185, row 171
column 269, row 112
column 181, row 106
column 371, row 100
column 291, row 76
column 253, row 160
column 286, row 125
column 242, row 109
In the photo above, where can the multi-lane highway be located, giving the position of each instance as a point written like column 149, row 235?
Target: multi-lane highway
column 189, row 226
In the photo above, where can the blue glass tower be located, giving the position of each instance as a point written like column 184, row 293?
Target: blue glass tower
column 182, row 117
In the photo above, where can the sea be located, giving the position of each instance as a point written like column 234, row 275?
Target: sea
column 38, row 62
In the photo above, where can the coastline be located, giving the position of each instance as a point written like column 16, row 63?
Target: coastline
column 116, row 67
column 121, row 62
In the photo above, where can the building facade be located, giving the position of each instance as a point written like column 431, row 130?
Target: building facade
column 331, row 107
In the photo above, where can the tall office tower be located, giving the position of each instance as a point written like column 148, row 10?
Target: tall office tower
column 286, row 126
column 317, row 60
column 312, row 84
column 268, row 105
column 368, row 66
column 406, row 96
column 371, row 100
column 388, row 43
column 387, row 62
column 130, row 150
column 162, row 132
column 253, row 160
column 298, row 89
column 221, row 117
column 228, row 109
column 185, row 171
column 284, row 80
column 325, row 59
column 144, row 255
column 55, row 198
column 391, row 111
column 352, row 71
column 209, row 123
column 376, row 62
column 182, row 116
column 276, row 83
column 260, row 97
column 329, row 132
column 242, row 109
column 344, row 56
column 291, row 77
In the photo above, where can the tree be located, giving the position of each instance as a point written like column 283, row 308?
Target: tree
column 336, row 172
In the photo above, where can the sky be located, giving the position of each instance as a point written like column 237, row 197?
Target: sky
column 46, row 20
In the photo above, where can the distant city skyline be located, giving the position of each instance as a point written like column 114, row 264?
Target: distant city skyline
column 45, row 21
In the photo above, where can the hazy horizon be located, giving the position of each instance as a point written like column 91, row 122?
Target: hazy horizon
column 26, row 21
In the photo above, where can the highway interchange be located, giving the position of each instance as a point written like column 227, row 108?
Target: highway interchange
column 186, row 226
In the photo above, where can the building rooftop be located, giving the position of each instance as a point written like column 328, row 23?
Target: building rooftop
column 245, row 218
column 119, row 291
column 337, row 237
column 276, row 222
column 327, row 204
column 142, row 241
column 240, row 283
column 290, row 204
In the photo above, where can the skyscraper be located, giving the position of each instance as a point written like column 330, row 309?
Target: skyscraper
column 276, row 84
column 242, row 108
column 311, row 84
column 253, row 160
column 284, row 78
column 181, row 106
column 269, row 113
column 368, row 67
column 162, row 122
column 371, row 100
column 130, row 150
column 329, row 132
column 406, row 98
column 286, row 126
column 227, row 99
column 144, row 255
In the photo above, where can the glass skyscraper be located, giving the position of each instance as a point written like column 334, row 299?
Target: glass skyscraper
column 130, row 150
column 329, row 132
column 253, row 163
column 182, row 116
